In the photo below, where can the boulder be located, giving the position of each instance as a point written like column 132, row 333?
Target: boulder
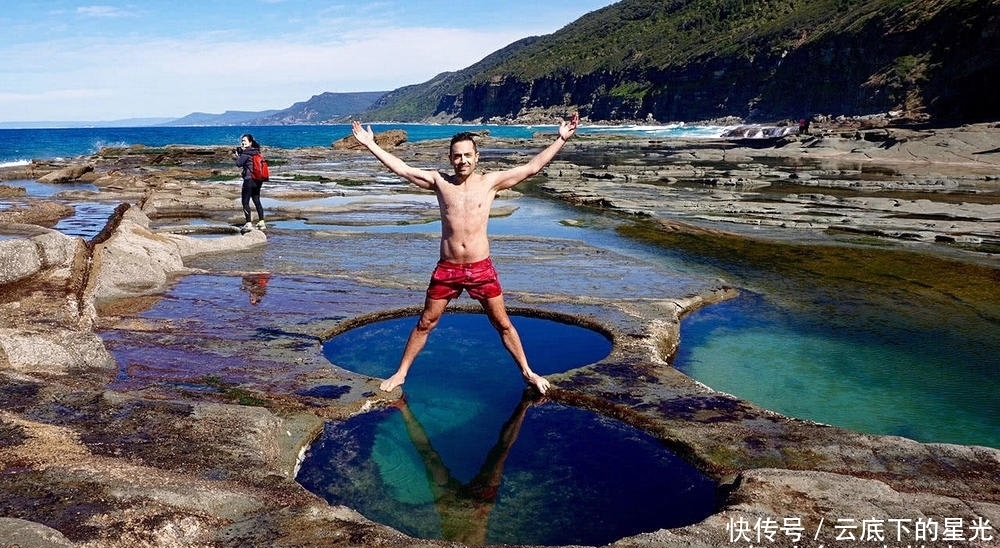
column 19, row 532
column 39, row 212
column 24, row 257
column 56, row 351
column 136, row 261
column 12, row 191
column 66, row 174
column 18, row 260
column 386, row 139
column 767, row 508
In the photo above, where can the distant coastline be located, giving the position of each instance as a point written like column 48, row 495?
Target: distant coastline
column 21, row 145
column 130, row 122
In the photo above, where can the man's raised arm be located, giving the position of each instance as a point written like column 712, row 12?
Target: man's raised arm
column 511, row 177
column 420, row 177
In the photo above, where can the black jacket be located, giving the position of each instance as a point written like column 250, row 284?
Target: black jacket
column 245, row 161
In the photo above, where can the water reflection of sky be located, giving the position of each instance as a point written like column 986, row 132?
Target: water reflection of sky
column 44, row 190
column 88, row 218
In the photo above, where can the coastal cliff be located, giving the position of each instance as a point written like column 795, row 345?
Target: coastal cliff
column 648, row 61
column 642, row 60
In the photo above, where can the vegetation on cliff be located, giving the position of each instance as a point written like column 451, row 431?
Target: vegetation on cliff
column 688, row 60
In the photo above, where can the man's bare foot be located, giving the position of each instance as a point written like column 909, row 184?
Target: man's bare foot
column 392, row 382
column 538, row 381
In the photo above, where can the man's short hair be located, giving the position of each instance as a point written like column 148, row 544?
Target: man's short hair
column 464, row 136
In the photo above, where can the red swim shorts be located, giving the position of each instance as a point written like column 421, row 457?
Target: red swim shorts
column 479, row 279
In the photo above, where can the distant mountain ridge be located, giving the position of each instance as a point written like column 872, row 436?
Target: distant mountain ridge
column 324, row 108
column 228, row 118
column 319, row 109
column 421, row 102
column 47, row 124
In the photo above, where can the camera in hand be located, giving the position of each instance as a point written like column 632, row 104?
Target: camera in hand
column 237, row 150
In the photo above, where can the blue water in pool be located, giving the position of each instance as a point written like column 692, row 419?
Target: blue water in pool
column 833, row 367
column 468, row 455
column 88, row 218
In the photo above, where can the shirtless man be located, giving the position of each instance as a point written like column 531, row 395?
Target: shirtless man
column 464, row 200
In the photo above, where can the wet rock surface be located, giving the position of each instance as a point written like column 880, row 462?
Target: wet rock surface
column 899, row 184
column 148, row 402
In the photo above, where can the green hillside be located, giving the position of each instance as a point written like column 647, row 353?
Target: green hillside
column 421, row 101
column 640, row 34
column 755, row 59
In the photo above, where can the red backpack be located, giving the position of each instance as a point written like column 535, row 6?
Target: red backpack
column 258, row 169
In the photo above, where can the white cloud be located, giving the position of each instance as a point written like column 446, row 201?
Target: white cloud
column 104, row 61
column 175, row 77
column 102, row 11
column 56, row 95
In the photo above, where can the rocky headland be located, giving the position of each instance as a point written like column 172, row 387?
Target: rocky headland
column 184, row 427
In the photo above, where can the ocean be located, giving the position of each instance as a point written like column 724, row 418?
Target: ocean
column 20, row 146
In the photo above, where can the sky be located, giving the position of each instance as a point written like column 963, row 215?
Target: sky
column 77, row 61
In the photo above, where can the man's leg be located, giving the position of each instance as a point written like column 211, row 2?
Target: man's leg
column 496, row 311
column 429, row 318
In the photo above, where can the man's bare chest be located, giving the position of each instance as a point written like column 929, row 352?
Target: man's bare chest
column 465, row 198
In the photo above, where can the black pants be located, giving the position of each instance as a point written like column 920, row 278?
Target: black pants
column 251, row 191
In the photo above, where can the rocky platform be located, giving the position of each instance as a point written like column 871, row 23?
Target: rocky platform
column 97, row 451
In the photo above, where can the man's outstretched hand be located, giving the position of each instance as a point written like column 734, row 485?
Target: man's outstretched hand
column 365, row 136
column 567, row 128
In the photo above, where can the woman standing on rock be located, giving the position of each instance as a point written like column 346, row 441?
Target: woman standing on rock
column 251, row 188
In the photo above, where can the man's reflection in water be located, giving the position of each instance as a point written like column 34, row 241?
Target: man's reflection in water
column 256, row 286
column 465, row 508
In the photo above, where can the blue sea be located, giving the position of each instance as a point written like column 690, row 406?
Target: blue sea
column 20, row 146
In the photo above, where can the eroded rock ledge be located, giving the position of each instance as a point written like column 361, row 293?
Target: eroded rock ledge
column 84, row 464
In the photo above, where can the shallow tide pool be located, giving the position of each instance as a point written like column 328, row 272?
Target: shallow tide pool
column 468, row 455
column 838, row 368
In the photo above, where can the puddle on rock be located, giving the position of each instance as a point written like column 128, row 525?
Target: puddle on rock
column 87, row 221
column 89, row 218
column 468, row 455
